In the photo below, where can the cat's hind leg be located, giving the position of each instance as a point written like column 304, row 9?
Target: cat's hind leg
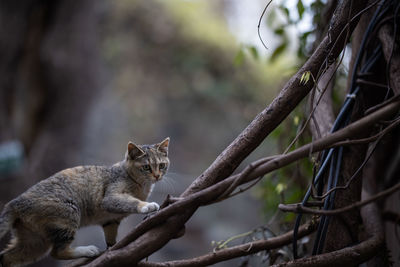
column 62, row 239
column 26, row 247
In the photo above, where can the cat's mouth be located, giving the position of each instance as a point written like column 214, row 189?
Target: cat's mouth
column 156, row 177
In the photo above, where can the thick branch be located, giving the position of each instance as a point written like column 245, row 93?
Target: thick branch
column 350, row 256
column 236, row 251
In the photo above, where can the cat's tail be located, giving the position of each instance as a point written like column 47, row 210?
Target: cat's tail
column 5, row 223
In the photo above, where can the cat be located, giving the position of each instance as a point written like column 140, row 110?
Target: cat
column 47, row 216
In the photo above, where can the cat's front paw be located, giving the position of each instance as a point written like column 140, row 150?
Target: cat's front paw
column 149, row 207
column 87, row 251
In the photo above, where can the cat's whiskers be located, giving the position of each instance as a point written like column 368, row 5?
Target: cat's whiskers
column 167, row 185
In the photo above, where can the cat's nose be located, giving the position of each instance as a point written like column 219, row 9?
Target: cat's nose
column 157, row 176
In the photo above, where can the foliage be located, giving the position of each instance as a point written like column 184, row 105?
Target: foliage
column 284, row 22
column 287, row 184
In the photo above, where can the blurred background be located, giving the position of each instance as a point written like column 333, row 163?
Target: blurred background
column 79, row 79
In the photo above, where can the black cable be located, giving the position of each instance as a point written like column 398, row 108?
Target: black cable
column 326, row 204
column 330, row 201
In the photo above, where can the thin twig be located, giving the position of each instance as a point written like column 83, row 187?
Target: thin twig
column 299, row 208
column 316, row 104
column 359, row 141
column 369, row 139
column 241, row 190
column 249, row 168
column 259, row 23
column 362, row 81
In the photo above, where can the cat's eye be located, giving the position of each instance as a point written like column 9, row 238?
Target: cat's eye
column 162, row 166
column 145, row 167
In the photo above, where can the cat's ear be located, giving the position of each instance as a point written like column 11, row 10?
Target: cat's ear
column 163, row 146
column 134, row 151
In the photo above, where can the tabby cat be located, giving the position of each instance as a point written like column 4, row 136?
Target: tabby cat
column 47, row 216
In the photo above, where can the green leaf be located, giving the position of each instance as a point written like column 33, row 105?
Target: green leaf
column 300, row 9
column 305, row 77
column 279, row 31
column 305, row 35
column 254, row 52
column 285, row 11
column 239, row 58
column 271, row 18
column 280, row 188
column 278, row 51
column 296, row 120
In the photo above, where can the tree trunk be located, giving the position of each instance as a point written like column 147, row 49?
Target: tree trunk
column 49, row 80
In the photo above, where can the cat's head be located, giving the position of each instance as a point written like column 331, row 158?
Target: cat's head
column 147, row 162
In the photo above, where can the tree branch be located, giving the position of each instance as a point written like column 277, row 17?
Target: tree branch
column 351, row 256
column 236, row 251
column 299, row 208
column 371, row 138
